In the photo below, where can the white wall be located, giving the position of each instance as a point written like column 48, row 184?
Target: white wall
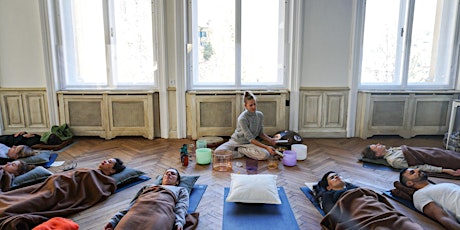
column 325, row 53
column 326, row 48
column 21, row 47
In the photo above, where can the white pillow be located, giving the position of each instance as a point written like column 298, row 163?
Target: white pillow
column 310, row 185
column 259, row 188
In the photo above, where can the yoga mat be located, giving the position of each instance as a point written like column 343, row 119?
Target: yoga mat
column 258, row 216
column 405, row 202
column 307, row 191
column 372, row 165
column 378, row 166
column 195, row 197
column 138, row 180
column 53, row 157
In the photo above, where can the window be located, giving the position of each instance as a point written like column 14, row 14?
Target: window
column 104, row 44
column 237, row 44
column 409, row 44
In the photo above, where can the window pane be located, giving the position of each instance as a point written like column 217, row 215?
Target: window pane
column 83, row 43
column 260, row 41
column 380, row 43
column 134, row 61
column 422, row 42
column 427, row 63
column 216, row 41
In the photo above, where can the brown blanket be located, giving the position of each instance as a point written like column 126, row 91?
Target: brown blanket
column 154, row 209
column 402, row 191
column 432, row 156
column 365, row 209
column 60, row 195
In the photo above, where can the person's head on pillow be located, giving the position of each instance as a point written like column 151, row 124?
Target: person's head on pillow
column 413, row 178
column 17, row 167
column 332, row 181
column 111, row 166
column 20, row 151
column 171, row 177
column 374, row 151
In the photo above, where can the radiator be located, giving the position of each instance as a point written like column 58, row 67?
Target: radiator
column 108, row 114
column 215, row 113
column 406, row 114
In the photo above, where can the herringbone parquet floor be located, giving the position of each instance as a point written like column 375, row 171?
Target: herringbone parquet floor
column 154, row 156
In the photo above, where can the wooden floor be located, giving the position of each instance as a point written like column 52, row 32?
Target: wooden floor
column 154, row 156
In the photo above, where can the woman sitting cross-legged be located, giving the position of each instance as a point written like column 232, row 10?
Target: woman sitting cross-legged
column 155, row 207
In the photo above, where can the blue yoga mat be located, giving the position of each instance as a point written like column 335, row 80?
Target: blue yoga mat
column 307, row 191
column 195, row 197
column 378, row 167
column 405, row 202
column 259, row 216
column 138, row 180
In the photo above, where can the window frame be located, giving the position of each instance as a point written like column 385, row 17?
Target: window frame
column 192, row 57
column 404, row 85
column 51, row 17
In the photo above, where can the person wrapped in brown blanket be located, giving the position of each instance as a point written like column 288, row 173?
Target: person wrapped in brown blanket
column 157, row 207
column 435, row 161
column 365, row 209
column 61, row 194
column 360, row 208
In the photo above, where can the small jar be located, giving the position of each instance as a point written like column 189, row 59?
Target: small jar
column 273, row 163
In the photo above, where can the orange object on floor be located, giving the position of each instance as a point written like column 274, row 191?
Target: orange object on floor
column 57, row 223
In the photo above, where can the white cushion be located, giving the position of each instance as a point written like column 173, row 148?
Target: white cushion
column 259, row 188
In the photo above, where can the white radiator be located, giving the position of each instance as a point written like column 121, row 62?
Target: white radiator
column 108, row 114
column 403, row 113
column 215, row 113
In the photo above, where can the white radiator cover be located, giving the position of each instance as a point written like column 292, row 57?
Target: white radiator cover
column 108, row 114
column 406, row 114
column 215, row 113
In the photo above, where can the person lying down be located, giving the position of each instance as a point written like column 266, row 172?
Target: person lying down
column 349, row 207
column 8, row 154
column 61, row 194
column 428, row 159
column 142, row 212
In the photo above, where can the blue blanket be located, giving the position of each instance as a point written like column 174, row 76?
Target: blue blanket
column 259, row 216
